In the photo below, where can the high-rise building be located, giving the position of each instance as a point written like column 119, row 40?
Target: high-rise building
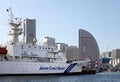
column 29, row 30
column 49, row 41
column 61, row 47
column 72, row 53
column 88, row 47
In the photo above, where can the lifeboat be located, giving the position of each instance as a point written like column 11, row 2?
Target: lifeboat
column 3, row 51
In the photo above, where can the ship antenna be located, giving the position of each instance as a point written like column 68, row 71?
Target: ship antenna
column 10, row 14
column 14, row 23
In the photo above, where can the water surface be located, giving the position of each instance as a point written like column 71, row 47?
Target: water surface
column 99, row 77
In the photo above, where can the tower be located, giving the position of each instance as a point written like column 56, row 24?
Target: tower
column 29, row 31
column 88, row 47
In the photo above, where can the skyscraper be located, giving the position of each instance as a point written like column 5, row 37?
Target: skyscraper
column 88, row 47
column 29, row 30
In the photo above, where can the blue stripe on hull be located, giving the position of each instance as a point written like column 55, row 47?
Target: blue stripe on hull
column 70, row 68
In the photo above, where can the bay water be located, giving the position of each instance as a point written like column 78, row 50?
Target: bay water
column 98, row 77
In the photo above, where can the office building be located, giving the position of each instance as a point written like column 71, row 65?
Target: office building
column 61, row 47
column 49, row 41
column 72, row 53
column 88, row 47
column 115, row 61
column 29, row 30
column 107, row 54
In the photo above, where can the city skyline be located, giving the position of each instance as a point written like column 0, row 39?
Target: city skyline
column 61, row 19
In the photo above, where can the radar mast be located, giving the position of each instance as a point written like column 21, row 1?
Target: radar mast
column 14, row 24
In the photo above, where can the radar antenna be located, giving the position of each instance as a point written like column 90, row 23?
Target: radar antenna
column 14, row 23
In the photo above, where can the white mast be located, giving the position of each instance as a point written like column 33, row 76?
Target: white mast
column 14, row 23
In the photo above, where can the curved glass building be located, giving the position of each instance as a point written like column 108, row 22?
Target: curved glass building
column 88, row 47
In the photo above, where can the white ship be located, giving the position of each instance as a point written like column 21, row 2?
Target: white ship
column 25, row 58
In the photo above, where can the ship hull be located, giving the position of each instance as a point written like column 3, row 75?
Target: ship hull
column 36, row 68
